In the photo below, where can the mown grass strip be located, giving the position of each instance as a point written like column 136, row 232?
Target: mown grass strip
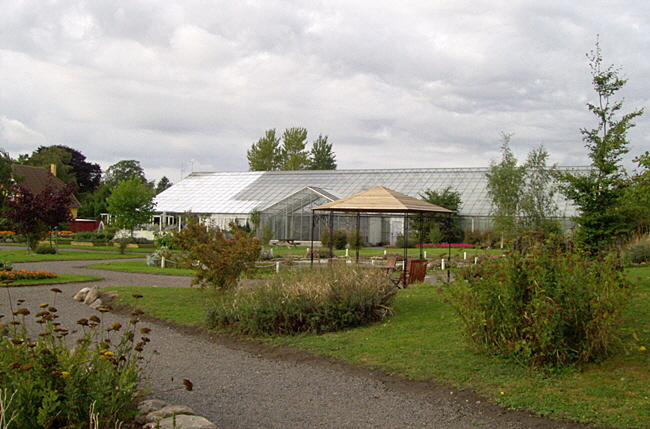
column 423, row 341
column 60, row 278
column 20, row 255
column 140, row 267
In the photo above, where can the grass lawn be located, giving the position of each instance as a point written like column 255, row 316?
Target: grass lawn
column 61, row 278
column 20, row 255
column 140, row 267
column 422, row 341
column 369, row 252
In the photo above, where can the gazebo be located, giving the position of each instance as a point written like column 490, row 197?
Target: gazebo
column 379, row 200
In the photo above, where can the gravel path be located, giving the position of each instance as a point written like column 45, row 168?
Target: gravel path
column 248, row 386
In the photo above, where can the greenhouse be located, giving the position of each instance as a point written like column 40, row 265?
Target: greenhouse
column 284, row 199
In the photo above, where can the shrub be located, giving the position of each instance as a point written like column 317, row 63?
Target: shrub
column 340, row 239
column 638, row 251
column 45, row 250
column 163, row 239
column 218, row 262
column 6, row 265
column 487, row 238
column 544, row 305
column 355, row 239
column 317, row 300
column 325, row 237
column 55, row 386
column 95, row 236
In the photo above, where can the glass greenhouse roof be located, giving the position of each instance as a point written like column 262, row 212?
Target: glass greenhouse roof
column 241, row 192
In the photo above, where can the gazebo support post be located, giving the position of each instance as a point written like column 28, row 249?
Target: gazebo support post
column 311, row 239
column 406, row 238
column 421, row 234
column 331, row 236
column 358, row 237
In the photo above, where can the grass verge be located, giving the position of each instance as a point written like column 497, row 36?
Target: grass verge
column 20, row 255
column 140, row 267
column 185, row 306
column 422, row 342
column 61, row 278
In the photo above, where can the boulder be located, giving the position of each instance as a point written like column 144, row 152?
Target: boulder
column 92, row 295
column 186, row 422
column 168, row 411
column 81, row 295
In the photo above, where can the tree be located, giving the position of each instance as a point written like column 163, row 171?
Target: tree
column 294, row 155
column 265, row 154
column 537, row 209
column 34, row 215
column 6, row 184
column 636, row 200
column 505, row 183
column 45, row 156
column 321, row 156
column 271, row 153
column 87, row 175
column 443, row 229
column 163, row 184
column 523, row 197
column 598, row 195
column 122, row 171
column 130, row 204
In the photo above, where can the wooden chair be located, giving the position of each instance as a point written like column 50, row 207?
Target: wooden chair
column 415, row 271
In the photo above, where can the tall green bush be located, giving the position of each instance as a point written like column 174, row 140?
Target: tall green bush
column 218, row 261
column 314, row 300
column 544, row 304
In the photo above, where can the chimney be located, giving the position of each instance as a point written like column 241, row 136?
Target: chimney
column 53, row 169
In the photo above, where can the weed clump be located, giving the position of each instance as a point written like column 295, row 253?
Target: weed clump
column 544, row 304
column 53, row 385
column 316, row 300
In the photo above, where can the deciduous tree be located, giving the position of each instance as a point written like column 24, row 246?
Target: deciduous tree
column 599, row 194
column 34, row 215
column 130, row 204
column 505, row 184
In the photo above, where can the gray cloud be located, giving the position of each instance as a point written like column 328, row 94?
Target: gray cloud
column 394, row 84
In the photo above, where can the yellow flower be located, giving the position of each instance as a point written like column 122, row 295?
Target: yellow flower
column 65, row 374
column 503, row 393
column 642, row 348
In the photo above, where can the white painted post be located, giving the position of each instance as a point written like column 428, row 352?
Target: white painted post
column 442, row 265
column 271, row 252
column 425, row 254
column 476, row 260
column 465, row 255
column 277, row 267
column 384, row 253
column 347, row 252
column 162, row 262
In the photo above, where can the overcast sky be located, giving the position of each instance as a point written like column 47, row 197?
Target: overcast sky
column 394, row 84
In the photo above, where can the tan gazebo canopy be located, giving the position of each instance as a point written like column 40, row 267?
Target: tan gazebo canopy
column 381, row 200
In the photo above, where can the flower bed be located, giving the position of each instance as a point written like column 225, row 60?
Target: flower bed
column 26, row 275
